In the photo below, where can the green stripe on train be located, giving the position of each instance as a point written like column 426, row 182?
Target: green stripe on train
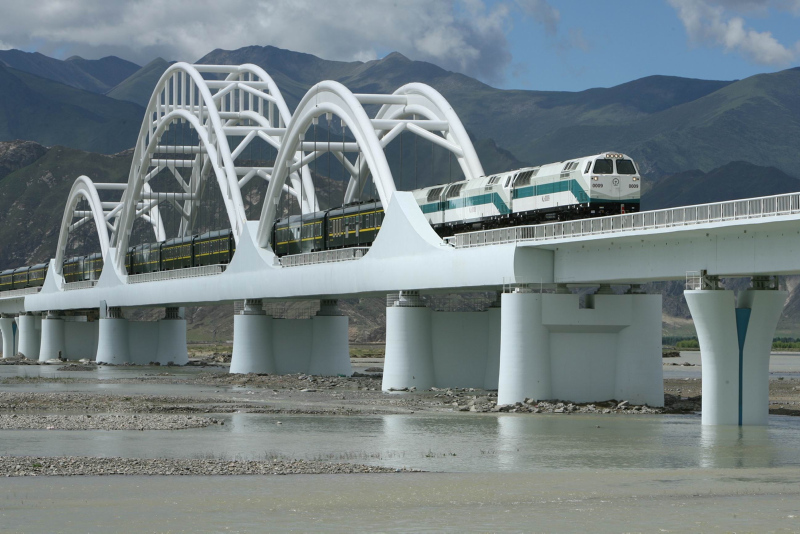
column 523, row 192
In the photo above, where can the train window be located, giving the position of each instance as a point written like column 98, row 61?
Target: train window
column 604, row 166
column 625, row 166
column 588, row 166
column 454, row 190
column 434, row 193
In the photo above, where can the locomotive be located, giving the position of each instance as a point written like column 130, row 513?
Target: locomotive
column 602, row 184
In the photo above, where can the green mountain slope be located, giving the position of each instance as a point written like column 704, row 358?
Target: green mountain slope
column 96, row 76
column 733, row 181
column 51, row 113
column 138, row 87
column 32, row 200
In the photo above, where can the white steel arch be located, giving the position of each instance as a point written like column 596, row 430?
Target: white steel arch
column 412, row 100
column 244, row 105
column 325, row 98
column 86, row 189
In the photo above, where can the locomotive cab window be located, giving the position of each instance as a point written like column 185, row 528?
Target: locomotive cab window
column 625, row 166
column 604, row 166
column 588, row 166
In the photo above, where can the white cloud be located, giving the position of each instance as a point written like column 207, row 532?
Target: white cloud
column 4, row 46
column 711, row 22
column 465, row 35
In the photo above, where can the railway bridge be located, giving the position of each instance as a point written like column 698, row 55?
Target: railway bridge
column 201, row 136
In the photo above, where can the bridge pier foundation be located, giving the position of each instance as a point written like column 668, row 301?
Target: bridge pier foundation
column 112, row 338
column 317, row 346
column 172, row 338
column 53, row 344
column 409, row 354
column 30, row 335
column 330, row 343
column 9, row 331
column 252, row 340
column 552, row 348
column 735, row 343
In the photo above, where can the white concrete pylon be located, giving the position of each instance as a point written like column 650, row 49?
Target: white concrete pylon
column 172, row 339
column 53, row 343
column 252, row 340
column 409, row 356
column 735, row 344
column 29, row 336
column 330, row 345
column 524, row 350
column 112, row 338
column 7, row 327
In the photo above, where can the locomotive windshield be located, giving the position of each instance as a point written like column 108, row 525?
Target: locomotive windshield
column 625, row 166
column 604, row 166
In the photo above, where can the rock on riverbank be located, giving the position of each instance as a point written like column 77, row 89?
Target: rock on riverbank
column 16, row 466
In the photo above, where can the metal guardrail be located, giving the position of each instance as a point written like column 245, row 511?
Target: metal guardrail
column 324, row 256
column 19, row 292
column 83, row 284
column 751, row 208
column 175, row 274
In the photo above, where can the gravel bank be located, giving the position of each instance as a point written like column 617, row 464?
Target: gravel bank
column 103, row 422
column 16, row 466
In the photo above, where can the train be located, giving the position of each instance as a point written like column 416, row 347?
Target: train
column 608, row 183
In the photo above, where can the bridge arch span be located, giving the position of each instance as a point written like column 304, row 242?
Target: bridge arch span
column 423, row 100
column 83, row 188
column 327, row 97
column 215, row 103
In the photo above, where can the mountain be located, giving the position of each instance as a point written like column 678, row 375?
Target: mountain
column 32, row 200
column 51, row 113
column 15, row 155
column 732, row 181
column 110, row 70
column 138, row 87
column 96, row 76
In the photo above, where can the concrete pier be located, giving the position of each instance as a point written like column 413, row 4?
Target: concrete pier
column 252, row 340
column 409, row 354
column 9, row 331
column 112, row 340
column 318, row 345
column 30, row 335
column 735, row 343
column 53, row 343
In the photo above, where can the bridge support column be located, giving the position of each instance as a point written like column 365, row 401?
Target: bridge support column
column 553, row 348
column 735, row 343
column 252, row 340
column 53, row 344
column 9, row 330
column 492, row 375
column 172, row 338
column 330, row 344
column 112, row 339
column 29, row 336
column 409, row 354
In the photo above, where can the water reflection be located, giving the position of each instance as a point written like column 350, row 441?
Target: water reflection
column 733, row 446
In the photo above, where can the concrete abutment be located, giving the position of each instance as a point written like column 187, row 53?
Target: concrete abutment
column 318, row 345
column 535, row 345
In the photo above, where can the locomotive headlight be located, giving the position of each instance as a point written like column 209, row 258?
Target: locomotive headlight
column 595, row 178
column 635, row 178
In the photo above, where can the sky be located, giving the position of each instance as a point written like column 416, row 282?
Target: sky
column 564, row 45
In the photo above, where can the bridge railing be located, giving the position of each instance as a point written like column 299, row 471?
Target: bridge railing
column 751, row 208
column 324, row 256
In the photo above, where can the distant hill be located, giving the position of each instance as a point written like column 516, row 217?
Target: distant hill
column 52, row 113
column 138, row 87
column 15, row 155
column 32, row 200
column 110, row 70
column 735, row 180
column 96, row 76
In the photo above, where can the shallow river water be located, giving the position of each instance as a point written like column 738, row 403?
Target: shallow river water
column 487, row 472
